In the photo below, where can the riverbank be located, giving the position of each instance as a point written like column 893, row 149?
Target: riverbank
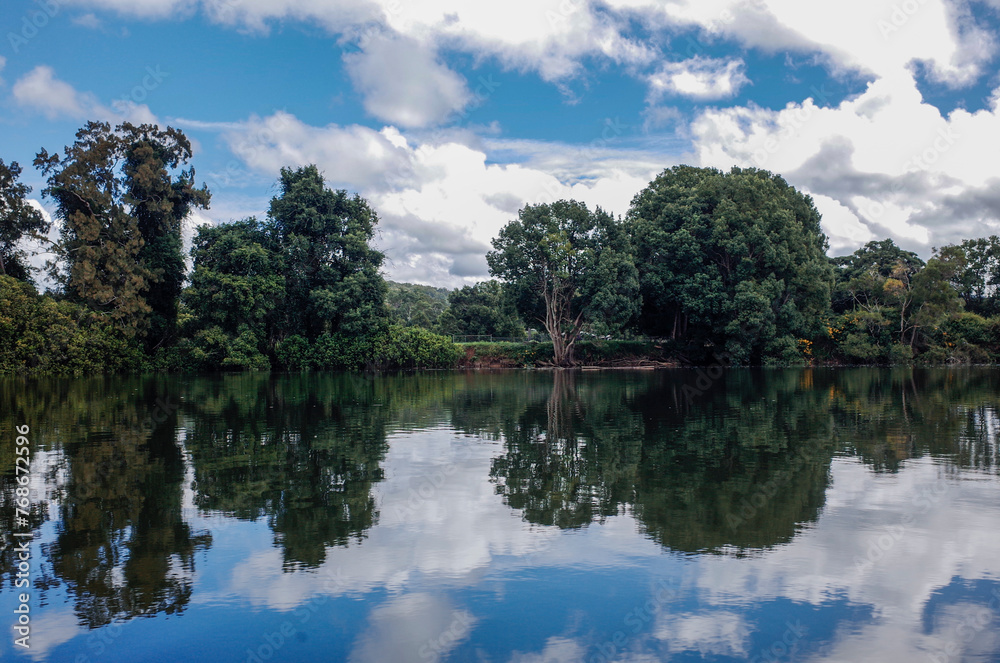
column 600, row 353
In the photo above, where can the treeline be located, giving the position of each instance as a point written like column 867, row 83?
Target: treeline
column 721, row 267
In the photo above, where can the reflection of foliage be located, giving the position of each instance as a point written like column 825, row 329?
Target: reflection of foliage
column 886, row 417
column 734, row 463
column 122, row 546
column 603, row 443
column 569, row 458
column 303, row 451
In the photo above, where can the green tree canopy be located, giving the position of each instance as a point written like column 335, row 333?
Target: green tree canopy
column 121, row 208
column 332, row 279
column 236, row 285
column 731, row 262
column 566, row 267
column 18, row 219
column 415, row 305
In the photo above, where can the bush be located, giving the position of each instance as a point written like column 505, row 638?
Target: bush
column 293, row 353
column 414, row 347
column 41, row 335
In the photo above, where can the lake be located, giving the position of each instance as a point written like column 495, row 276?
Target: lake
column 524, row 516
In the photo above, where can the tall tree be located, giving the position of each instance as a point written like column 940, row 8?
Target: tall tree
column 18, row 220
column 567, row 266
column 730, row 262
column 332, row 279
column 121, row 208
column 160, row 201
column 978, row 280
column 235, row 287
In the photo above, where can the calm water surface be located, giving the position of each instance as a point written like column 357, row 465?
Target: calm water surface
column 784, row 515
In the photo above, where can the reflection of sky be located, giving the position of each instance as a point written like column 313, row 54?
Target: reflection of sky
column 897, row 568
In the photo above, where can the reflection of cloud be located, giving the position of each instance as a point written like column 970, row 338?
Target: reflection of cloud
column 412, row 627
column 717, row 633
column 848, row 553
column 49, row 629
column 557, row 650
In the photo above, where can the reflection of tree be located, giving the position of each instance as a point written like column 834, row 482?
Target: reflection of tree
column 123, row 548
column 886, row 417
column 571, row 456
column 302, row 451
column 601, row 443
column 742, row 465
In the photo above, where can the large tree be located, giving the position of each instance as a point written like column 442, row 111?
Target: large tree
column 235, row 287
column 18, row 219
column 729, row 262
column 332, row 279
column 978, row 279
column 121, row 207
column 567, row 267
column 160, row 201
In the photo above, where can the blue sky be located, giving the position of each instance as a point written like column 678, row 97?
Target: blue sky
column 449, row 116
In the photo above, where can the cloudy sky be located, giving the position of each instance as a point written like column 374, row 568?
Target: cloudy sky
column 449, row 116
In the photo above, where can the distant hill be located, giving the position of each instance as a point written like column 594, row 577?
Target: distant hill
column 415, row 305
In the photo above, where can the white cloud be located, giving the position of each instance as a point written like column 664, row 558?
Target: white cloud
column 89, row 21
column 891, row 159
column 699, row 78
column 404, row 83
column 441, row 201
column 41, row 91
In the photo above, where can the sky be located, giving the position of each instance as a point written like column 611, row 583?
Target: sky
column 449, row 116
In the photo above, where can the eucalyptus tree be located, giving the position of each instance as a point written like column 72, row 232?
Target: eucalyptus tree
column 567, row 266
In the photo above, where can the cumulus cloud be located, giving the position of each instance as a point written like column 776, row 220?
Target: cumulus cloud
column 699, row 78
column 39, row 90
column 441, row 200
column 404, row 83
column 888, row 157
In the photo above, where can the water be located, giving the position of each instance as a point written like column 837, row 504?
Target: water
column 792, row 515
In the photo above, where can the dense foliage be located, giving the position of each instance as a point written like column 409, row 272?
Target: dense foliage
column 707, row 267
column 733, row 263
column 567, row 267
column 483, row 309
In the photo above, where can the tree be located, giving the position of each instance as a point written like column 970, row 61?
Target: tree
column 729, row 262
column 18, row 219
column 861, row 277
column 236, row 285
column 160, row 202
column 566, row 267
column 481, row 309
column 121, row 210
column 332, row 279
column 979, row 278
